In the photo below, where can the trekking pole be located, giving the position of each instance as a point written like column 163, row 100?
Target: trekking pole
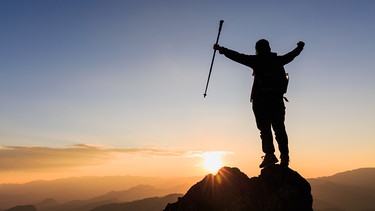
column 213, row 58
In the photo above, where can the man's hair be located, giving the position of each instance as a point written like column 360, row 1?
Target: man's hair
column 262, row 46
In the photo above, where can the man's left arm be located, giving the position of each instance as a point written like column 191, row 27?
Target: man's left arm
column 291, row 55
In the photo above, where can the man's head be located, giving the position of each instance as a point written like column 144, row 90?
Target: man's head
column 262, row 47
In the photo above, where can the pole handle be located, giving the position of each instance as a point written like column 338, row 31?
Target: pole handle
column 220, row 26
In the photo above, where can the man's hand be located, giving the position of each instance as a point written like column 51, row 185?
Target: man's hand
column 217, row 47
column 301, row 44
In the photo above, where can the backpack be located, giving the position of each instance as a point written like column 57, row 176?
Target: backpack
column 271, row 84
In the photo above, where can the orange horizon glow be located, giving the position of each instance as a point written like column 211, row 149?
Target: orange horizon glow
column 26, row 164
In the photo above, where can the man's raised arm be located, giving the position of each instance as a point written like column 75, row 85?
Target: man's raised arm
column 234, row 55
column 291, row 55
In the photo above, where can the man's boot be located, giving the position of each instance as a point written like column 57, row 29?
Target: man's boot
column 268, row 159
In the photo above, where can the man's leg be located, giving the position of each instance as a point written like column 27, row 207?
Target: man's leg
column 263, row 121
column 278, row 125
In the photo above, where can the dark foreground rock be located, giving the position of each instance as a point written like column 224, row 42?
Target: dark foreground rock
column 275, row 189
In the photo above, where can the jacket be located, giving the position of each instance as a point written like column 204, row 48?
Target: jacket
column 268, row 70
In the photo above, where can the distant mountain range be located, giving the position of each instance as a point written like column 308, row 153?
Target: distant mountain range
column 78, row 189
column 148, row 204
column 351, row 190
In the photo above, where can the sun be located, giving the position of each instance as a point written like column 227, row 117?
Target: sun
column 212, row 161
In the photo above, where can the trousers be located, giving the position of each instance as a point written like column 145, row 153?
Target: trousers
column 269, row 114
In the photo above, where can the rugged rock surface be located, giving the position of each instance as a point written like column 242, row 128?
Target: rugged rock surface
column 275, row 189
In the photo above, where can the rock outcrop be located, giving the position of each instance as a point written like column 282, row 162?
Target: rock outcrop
column 275, row 189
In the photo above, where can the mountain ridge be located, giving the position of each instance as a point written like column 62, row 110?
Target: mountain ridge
column 323, row 189
column 349, row 190
column 83, row 188
column 363, row 177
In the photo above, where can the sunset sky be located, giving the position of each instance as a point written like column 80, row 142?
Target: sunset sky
column 110, row 87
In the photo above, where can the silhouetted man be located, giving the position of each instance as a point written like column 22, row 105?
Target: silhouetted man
column 267, row 95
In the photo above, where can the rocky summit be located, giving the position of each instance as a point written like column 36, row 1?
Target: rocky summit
column 276, row 189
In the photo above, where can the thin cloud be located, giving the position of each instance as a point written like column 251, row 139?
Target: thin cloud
column 203, row 153
column 37, row 158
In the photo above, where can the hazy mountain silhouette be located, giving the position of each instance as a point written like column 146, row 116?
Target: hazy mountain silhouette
column 148, row 204
column 276, row 189
column 47, row 203
column 138, row 192
column 351, row 190
column 347, row 191
column 84, row 188
column 22, row 208
column 118, row 197
column 363, row 177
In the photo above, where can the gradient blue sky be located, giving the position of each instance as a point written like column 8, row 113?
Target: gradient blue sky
column 130, row 75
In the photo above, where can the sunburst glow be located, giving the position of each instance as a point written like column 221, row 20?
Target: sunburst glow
column 212, row 161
